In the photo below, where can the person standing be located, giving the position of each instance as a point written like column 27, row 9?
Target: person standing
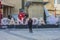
column 30, row 24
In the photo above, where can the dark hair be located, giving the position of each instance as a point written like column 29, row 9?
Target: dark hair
column 9, row 16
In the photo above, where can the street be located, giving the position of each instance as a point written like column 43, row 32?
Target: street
column 24, row 34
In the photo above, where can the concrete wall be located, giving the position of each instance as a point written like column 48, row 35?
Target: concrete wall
column 36, row 11
column 16, row 4
column 50, row 5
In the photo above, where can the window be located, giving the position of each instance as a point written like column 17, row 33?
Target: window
column 56, row 1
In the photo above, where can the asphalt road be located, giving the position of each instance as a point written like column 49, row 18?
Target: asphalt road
column 24, row 34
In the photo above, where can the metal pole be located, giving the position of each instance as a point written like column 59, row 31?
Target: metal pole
column 55, row 11
column 23, row 1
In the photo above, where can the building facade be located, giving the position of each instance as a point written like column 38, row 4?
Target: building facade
column 54, row 7
column 13, row 6
column 35, row 10
column 57, row 6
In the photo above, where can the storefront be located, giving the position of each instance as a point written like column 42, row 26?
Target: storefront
column 7, row 9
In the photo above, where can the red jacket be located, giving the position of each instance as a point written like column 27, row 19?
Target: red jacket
column 21, row 15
